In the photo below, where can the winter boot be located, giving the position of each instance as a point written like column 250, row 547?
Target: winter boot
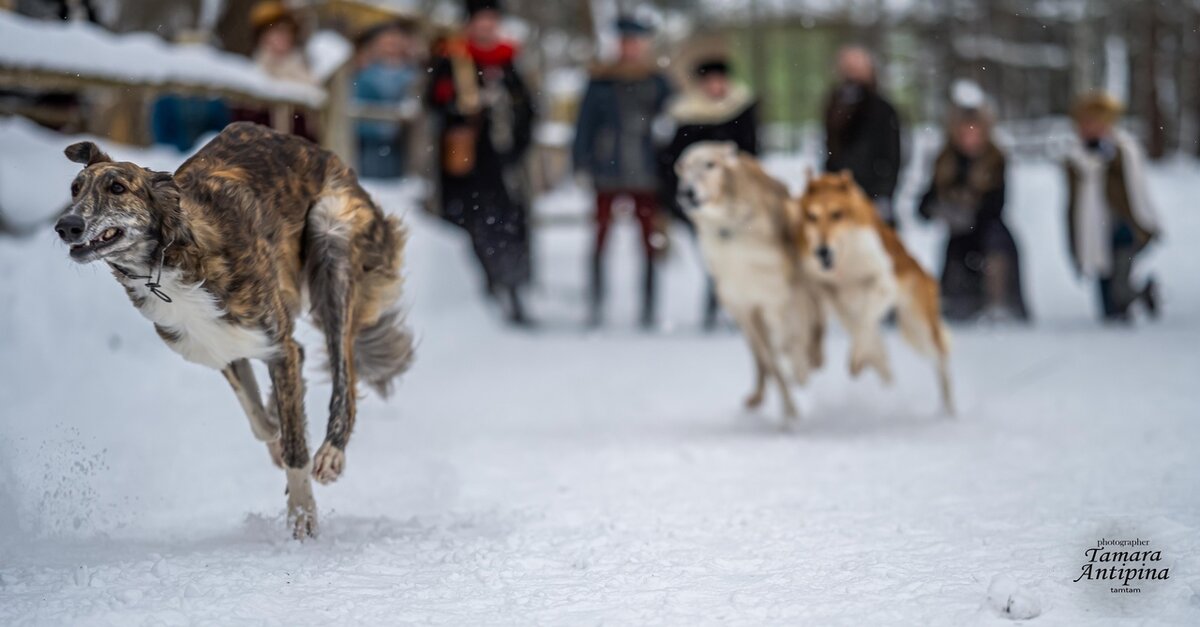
column 711, row 308
column 596, row 293
column 1149, row 298
column 515, row 308
column 649, row 300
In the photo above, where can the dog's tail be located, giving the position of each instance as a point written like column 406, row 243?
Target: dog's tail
column 384, row 351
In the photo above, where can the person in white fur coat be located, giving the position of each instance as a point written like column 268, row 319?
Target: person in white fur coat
column 1109, row 211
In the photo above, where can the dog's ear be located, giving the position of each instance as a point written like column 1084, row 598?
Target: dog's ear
column 86, row 153
column 163, row 188
column 809, row 175
column 846, row 177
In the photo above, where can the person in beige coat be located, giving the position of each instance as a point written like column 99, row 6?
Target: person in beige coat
column 1110, row 215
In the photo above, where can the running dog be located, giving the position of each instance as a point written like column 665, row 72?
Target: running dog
column 863, row 271
column 749, row 244
column 226, row 253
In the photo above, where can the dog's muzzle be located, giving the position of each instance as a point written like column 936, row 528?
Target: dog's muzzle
column 825, row 256
column 687, row 198
column 70, row 228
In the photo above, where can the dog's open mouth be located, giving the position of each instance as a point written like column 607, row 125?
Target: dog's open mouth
column 105, row 239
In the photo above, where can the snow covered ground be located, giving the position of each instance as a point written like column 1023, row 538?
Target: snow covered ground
column 566, row 477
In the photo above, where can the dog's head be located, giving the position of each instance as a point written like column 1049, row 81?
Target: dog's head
column 832, row 207
column 705, row 170
column 116, row 209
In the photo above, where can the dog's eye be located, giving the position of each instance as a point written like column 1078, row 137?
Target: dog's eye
column 710, row 165
column 836, row 215
column 116, row 188
column 810, row 216
column 74, row 189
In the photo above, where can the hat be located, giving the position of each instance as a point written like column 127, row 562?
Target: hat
column 366, row 35
column 713, row 66
column 476, row 6
column 629, row 26
column 270, row 12
column 1099, row 105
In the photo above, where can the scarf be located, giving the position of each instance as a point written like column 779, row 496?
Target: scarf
column 1093, row 215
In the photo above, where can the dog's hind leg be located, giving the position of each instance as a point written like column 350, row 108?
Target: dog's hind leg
column 332, row 283
column 755, row 399
column 917, row 314
column 241, row 378
column 288, row 392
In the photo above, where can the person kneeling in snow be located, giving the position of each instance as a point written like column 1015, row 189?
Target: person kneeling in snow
column 981, row 271
column 1109, row 212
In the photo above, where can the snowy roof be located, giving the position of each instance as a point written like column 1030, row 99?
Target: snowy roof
column 82, row 51
column 739, row 10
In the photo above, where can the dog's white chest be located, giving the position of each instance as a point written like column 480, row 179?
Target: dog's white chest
column 195, row 320
column 748, row 269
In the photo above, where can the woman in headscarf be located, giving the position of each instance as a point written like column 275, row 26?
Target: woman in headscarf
column 485, row 115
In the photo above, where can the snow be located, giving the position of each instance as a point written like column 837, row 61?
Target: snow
column 85, row 49
column 562, row 476
column 327, row 52
column 26, row 147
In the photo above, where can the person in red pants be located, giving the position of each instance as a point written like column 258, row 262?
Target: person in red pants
column 615, row 147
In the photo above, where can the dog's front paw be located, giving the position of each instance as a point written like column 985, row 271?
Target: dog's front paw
column 754, row 400
column 857, row 363
column 301, row 507
column 304, row 524
column 328, row 464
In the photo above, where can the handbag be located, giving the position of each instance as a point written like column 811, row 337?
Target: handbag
column 458, row 149
column 460, row 142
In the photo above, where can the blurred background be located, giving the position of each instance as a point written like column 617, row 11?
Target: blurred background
column 1031, row 57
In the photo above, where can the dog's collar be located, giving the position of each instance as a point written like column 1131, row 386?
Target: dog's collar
column 153, row 282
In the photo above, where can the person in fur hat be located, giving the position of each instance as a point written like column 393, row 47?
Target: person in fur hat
column 714, row 109
column 484, row 113
column 614, row 146
column 279, row 51
column 981, row 272
column 1110, row 214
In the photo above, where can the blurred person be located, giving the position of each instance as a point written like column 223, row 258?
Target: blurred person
column 278, row 51
column 180, row 121
column 862, row 130
column 485, row 115
column 1109, row 211
column 385, row 77
column 615, row 146
column 714, row 108
column 981, row 270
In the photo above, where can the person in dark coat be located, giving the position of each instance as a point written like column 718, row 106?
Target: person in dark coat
column 981, row 271
column 862, row 130
column 614, row 146
column 485, row 116
column 715, row 109
column 1111, row 217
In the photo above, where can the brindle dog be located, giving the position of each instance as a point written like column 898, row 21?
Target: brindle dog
column 225, row 254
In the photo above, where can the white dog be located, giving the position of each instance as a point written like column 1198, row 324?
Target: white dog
column 748, row 242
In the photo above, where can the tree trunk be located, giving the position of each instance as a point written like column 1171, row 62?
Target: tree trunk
column 1156, row 134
